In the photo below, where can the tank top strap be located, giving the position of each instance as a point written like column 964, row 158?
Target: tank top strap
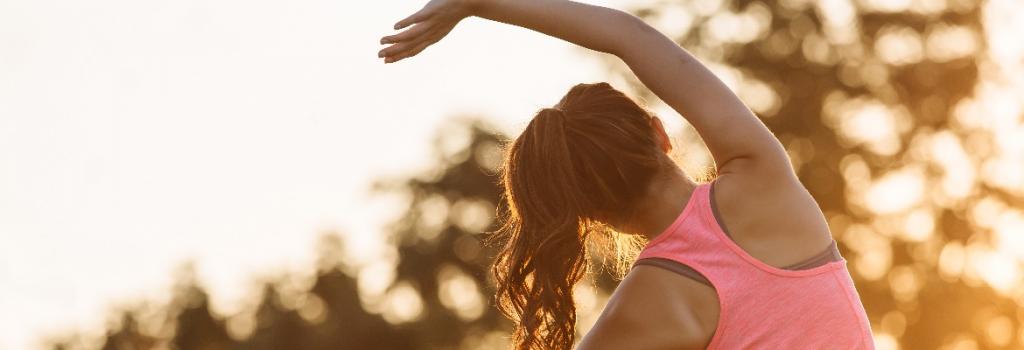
column 720, row 250
column 696, row 239
column 702, row 197
column 690, row 239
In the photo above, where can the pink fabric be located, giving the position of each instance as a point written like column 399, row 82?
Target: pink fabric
column 764, row 307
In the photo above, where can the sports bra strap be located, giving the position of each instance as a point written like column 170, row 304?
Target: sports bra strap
column 830, row 254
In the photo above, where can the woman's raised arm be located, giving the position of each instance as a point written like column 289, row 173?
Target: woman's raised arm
column 737, row 139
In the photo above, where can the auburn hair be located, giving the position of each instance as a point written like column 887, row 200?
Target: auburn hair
column 578, row 169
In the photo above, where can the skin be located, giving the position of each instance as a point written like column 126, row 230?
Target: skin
column 759, row 199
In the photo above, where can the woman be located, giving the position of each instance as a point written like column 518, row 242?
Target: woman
column 743, row 261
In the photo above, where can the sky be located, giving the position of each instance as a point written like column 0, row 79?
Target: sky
column 138, row 135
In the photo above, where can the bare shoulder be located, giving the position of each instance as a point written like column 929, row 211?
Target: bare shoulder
column 771, row 215
column 653, row 308
column 755, row 187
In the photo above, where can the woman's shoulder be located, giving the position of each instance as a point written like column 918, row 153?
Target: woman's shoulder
column 657, row 308
column 777, row 221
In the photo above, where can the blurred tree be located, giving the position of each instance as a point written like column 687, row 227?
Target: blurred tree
column 127, row 336
column 441, row 266
column 869, row 98
column 195, row 325
column 438, row 239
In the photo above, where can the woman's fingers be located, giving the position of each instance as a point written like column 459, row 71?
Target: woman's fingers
column 418, row 46
column 398, row 48
column 408, row 34
column 420, row 16
column 411, row 52
column 390, row 53
column 429, row 25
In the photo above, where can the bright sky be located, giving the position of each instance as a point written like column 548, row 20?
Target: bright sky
column 135, row 135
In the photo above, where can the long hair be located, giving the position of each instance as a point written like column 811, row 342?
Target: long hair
column 577, row 169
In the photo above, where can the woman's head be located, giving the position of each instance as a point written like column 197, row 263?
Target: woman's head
column 578, row 167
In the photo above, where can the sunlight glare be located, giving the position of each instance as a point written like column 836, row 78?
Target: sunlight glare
column 899, row 45
column 373, row 283
column 918, row 226
column 961, row 342
column 675, row 20
column 951, row 261
column 958, row 172
column 895, row 192
column 472, row 215
column 1003, row 29
column 433, row 215
column 459, row 293
column 945, row 42
column 312, row 308
column 840, row 20
column 885, row 5
column 905, row 283
column 403, row 304
column 869, row 123
column 874, row 251
column 1000, row 270
column 760, row 97
column 999, row 331
column 1009, row 233
column 894, row 322
column 886, row 341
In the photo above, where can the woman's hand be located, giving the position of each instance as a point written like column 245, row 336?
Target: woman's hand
column 429, row 25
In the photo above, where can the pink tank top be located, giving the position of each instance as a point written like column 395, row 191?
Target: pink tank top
column 761, row 306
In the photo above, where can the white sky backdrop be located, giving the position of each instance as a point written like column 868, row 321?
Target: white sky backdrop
column 136, row 135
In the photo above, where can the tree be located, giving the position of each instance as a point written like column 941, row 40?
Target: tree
column 441, row 265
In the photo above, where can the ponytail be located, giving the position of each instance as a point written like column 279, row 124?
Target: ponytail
column 575, row 168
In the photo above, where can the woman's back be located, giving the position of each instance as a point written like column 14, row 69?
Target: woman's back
column 747, row 300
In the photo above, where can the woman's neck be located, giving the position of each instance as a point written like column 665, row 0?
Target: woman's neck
column 666, row 198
